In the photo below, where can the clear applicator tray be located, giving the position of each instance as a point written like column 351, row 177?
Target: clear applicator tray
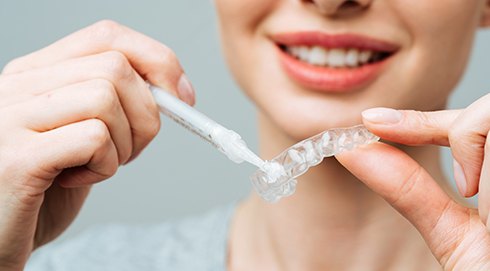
column 277, row 178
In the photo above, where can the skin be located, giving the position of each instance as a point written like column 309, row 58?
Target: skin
column 335, row 222
column 86, row 98
column 341, row 217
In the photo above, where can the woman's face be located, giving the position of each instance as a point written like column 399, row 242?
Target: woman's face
column 311, row 65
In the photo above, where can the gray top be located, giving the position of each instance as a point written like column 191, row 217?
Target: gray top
column 197, row 243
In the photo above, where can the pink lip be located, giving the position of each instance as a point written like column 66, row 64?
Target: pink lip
column 327, row 79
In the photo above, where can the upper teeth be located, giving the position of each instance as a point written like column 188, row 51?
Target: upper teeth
column 336, row 58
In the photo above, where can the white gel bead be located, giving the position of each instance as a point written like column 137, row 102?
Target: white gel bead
column 274, row 171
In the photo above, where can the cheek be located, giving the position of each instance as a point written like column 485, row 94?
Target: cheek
column 439, row 49
column 240, row 27
column 247, row 13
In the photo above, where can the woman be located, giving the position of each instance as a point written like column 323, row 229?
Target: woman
column 309, row 65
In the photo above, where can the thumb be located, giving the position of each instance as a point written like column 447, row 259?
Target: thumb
column 404, row 184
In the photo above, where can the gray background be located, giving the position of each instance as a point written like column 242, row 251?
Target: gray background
column 178, row 174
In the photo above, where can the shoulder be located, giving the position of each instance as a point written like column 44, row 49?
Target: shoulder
column 194, row 243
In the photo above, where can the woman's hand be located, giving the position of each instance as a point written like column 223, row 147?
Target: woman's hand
column 70, row 115
column 458, row 236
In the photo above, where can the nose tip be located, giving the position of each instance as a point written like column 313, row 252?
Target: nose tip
column 332, row 7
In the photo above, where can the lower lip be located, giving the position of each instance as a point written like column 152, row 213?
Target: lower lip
column 327, row 79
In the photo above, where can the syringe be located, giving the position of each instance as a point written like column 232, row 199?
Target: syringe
column 275, row 178
column 227, row 141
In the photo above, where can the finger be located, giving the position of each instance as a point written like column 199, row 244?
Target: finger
column 153, row 60
column 85, row 148
column 484, row 187
column 133, row 92
column 410, row 127
column 87, row 100
column 464, row 130
column 467, row 139
column 404, row 184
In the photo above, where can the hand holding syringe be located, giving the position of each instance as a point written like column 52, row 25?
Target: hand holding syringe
column 276, row 178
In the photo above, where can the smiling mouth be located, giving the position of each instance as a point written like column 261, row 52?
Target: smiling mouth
column 332, row 63
column 336, row 58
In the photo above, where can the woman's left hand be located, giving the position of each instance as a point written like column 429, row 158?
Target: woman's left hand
column 457, row 235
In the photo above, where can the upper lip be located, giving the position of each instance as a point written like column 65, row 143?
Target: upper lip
column 316, row 38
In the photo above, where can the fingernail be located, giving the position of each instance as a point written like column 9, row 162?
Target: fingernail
column 186, row 90
column 382, row 115
column 459, row 177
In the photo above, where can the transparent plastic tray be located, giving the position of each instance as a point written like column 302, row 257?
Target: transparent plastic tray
column 277, row 178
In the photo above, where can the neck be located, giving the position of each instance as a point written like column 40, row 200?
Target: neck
column 332, row 221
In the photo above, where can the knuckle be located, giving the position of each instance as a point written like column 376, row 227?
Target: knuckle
column 145, row 133
column 110, row 169
column 105, row 30
column 117, row 66
column 107, row 24
column 105, row 96
column 153, row 124
column 113, row 168
column 167, row 54
column 110, row 164
column 154, row 127
column 98, row 132
column 100, row 83
column 166, row 57
column 123, row 158
column 149, row 131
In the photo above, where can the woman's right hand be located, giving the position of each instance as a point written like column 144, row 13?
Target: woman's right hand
column 70, row 115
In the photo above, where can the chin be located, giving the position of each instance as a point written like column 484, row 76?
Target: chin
column 301, row 120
